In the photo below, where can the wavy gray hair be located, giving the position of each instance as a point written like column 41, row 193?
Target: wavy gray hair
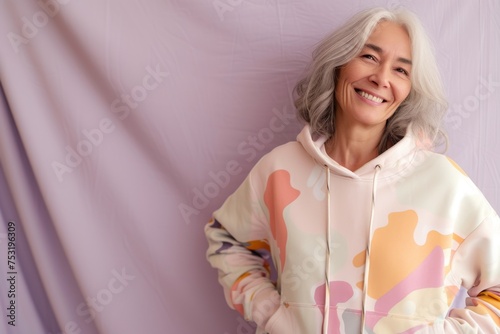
column 425, row 105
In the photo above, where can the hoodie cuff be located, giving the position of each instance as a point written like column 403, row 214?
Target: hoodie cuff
column 265, row 303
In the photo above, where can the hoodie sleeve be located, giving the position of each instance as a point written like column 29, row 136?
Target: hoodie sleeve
column 236, row 236
column 477, row 265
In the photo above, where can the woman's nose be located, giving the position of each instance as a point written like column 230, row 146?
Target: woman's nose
column 381, row 76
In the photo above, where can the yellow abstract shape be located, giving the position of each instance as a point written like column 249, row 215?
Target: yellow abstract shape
column 258, row 244
column 457, row 166
column 395, row 254
column 484, row 310
column 490, row 297
column 478, row 309
column 458, row 238
column 359, row 261
column 451, row 292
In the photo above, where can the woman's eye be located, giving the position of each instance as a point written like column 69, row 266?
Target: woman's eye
column 402, row 70
column 369, row 56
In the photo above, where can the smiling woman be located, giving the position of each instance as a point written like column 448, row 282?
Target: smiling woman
column 369, row 89
column 425, row 105
column 368, row 228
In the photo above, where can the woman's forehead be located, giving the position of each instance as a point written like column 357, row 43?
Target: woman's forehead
column 390, row 37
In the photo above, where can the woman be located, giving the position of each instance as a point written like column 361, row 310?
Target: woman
column 369, row 230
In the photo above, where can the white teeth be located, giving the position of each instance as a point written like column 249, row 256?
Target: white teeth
column 370, row 97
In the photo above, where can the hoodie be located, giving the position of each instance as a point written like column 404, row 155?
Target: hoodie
column 306, row 246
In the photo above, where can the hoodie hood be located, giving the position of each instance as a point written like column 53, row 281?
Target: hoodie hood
column 390, row 162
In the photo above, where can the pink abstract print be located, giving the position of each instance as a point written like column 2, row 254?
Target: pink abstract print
column 341, row 293
column 278, row 195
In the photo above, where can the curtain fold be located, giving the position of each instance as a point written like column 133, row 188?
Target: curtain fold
column 124, row 124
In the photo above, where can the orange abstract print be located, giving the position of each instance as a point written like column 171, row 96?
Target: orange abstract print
column 278, row 195
column 395, row 254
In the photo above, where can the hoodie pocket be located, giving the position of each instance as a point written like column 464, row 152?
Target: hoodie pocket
column 398, row 323
column 282, row 321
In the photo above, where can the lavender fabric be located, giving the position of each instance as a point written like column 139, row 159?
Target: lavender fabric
column 124, row 124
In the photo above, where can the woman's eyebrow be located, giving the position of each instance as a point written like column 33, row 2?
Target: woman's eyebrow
column 378, row 49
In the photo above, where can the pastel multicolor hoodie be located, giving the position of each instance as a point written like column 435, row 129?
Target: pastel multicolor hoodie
column 386, row 247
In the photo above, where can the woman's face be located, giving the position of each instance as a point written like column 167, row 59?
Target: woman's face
column 373, row 84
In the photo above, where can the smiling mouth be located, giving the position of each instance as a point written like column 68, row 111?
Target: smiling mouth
column 370, row 97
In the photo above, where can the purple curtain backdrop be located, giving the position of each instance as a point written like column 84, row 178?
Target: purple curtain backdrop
column 124, row 124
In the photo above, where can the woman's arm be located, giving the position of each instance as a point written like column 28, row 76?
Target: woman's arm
column 477, row 264
column 235, row 235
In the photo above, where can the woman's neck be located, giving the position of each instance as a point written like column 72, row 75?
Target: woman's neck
column 354, row 147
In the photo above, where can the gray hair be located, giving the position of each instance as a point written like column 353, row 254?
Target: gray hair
column 425, row 105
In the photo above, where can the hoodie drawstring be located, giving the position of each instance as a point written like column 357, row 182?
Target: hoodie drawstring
column 328, row 252
column 368, row 249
